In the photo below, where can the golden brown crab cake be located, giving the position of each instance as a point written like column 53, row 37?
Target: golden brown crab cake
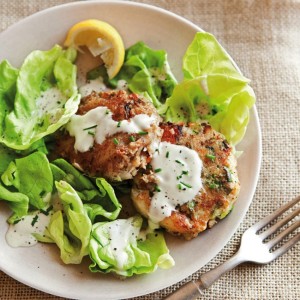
column 161, row 197
column 111, row 135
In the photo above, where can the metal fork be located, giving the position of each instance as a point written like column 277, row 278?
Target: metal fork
column 256, row 246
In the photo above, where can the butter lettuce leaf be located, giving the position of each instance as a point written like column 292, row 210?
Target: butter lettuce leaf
column 116, row 247
column 206, row 56
column 8, row 79
column 27, row 114
column 212, row 90
column 147, row 72
column 30, row 176
column 17, row 202
column 70, row 228
column 98, row 197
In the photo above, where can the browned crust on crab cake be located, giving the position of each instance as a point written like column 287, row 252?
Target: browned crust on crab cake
column 219, row 178
column 113, row 161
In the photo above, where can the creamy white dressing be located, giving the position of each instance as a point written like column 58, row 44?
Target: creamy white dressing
column 150, row 229
column 50, row 102
column 122, row 84
column 95, row 85
column 21, row 233
column 122, row 233
column 178, row 173
column 98, row 123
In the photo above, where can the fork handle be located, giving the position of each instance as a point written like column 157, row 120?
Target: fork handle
column 194, row 288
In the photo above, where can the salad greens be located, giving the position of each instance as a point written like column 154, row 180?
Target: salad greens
column 212, row 89
column 83, row 211
column 146, row 71
column 138, row 256
column 71, row 231
column 25, row 116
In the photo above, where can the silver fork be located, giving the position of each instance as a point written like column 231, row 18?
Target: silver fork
column 254, row 248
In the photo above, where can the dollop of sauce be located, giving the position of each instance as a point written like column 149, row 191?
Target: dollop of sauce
column 122, row 233
column 22, row 233
column 178, row 173
column 51, row 103
column 95, row 85
column 98, row 123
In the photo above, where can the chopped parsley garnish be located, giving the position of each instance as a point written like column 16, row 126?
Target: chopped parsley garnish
column 228, row 174
column 34, row 220
column 132, row 139
column 91, row 127
column 157, row 188
column 143, row 132
column 186, row 184
column 158, row 170
column 211, row 157
column 92, row 133
column 46, row 212
column 119, row 124
column 179, row 162
column 116, row 142
column 168, row 154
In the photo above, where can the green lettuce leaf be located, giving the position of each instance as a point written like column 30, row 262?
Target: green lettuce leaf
column 8, row 78
column 99, row 198
column 70, row 229
column 212, row 89
column 27, row 112
column 115, row 247
column 206, row 56
column 107, row 206
column 146, row 72
column 30, row 176
column 6, row 156
column 18, row 203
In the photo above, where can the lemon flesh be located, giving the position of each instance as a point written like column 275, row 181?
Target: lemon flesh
column 102, row 40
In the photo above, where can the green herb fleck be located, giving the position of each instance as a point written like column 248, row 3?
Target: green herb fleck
column 191, row 205
column 186, row 184
column 116, row 142
column 132, row 139
column 228, row 174
column 143, row 132
column 157, row 188
column 168, row 154
column 34, row 220
column 46, row 212
column 119, row 124
column 92, row 133
column 211, row 157
column 179, row 162
column 158, row 170
column 91, row 127
column 42, row 194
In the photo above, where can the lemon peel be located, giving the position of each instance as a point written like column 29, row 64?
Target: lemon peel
column 102, row 40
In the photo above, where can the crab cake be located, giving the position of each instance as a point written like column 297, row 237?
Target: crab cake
column 191, row 181
column 111, row 135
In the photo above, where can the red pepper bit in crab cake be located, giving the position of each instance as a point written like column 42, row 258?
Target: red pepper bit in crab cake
column 191, row 181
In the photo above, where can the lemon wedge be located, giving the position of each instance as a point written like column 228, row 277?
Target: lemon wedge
column 101, row 39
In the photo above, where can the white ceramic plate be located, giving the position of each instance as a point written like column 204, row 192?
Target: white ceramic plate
column 40, row 266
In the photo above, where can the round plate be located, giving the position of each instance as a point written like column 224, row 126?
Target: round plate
column 40, row 266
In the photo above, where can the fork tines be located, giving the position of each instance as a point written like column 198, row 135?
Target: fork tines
column 278, row 225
